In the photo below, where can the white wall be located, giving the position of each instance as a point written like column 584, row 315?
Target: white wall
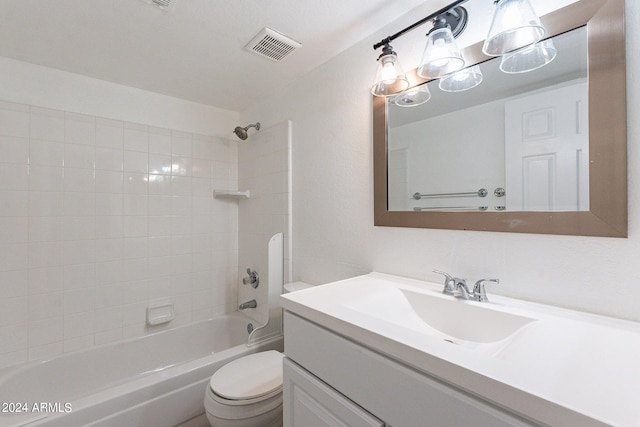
column 99, row 216
column 478, row 132
column 46, row 87
column 333, row 230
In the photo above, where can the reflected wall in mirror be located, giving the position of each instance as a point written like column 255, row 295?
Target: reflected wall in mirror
column 539, row 152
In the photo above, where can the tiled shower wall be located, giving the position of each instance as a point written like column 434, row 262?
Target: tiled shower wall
column 97, row 218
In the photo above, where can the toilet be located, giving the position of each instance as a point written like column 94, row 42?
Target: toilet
column 247, row 392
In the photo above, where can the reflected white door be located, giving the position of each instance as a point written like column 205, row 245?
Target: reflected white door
column 547, row 150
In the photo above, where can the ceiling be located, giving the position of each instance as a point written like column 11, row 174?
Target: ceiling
column 194, row 51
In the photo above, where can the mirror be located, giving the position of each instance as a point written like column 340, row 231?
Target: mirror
column 499, row 157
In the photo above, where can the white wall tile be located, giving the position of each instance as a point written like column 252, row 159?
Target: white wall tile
column 160, row 185
column 13, row 338
column 88, row 236
column 79, row 156
column 159, row 164
column 136, row 137
column 109, row 134
column 159, row 141
column 108, row 296
column 46, row 153
column 46, row 351
column 14, row 120
column 45, row 306
column 79, row 228
column 80, row 129
column 109, row 159
column 79, row 251
column 78, row 343
column 181, row 144
column 14, row 310
column 14, row 283
column 105, row 337
column 78, row 324
column 47, row 124
column 14, row 229
column 14, row 150
column 136, row 183
column 136, row 161
column 107, row 181
column 45, row 331
column 42, row 203
column 14, row 256
column 79, row 180
column 78, row 300
column 108, row 319
column 45, row 178
column 44, row 254
column 46, row 280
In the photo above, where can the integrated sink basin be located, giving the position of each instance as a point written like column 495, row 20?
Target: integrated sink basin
column 464, row 320
column 435, row 315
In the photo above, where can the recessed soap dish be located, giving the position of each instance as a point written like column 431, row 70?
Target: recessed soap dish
column 160, row 311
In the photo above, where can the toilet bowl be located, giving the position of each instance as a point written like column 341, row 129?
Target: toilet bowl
column 247, row 392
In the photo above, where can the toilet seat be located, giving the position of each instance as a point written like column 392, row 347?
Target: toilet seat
column 251, row 378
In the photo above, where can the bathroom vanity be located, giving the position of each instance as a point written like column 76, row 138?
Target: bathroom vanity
column 381, row 350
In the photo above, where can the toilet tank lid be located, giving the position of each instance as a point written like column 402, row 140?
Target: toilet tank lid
column 296, row 286
column 249, row 376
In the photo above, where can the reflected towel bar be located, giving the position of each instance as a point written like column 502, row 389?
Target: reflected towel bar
column 480, row 193
column 460, row 208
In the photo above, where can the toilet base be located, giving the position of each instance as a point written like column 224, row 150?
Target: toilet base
column 272, row 418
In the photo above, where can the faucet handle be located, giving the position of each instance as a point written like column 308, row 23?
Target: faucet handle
column 449, row 283
column 479, row 293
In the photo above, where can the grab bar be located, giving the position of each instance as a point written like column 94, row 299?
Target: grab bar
column 480, row 193
column 460, row 208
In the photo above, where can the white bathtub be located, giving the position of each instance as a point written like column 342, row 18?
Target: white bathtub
column 155, row 380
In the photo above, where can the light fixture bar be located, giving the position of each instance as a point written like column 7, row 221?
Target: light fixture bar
column 417, row 24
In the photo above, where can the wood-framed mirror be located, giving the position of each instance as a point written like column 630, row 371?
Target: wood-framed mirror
column 605, row 212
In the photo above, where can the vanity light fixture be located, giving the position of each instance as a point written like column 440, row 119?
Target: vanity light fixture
column 465, row 79
column 514, row 25
column 390, row 77
column 529, row 58
column 413, row 97
column 441, row 54
column 514, row 28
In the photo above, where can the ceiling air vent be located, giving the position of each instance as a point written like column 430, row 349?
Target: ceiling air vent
column 162, row 4
column 271, row 44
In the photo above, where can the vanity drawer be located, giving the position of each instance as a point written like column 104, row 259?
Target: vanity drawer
column 387, row 389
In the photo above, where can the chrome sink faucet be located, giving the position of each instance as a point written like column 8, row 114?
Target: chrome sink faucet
column 479, row 293
column 451, row 284
column 457, row 287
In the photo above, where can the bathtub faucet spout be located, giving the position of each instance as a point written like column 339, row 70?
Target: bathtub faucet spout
column 248, row 304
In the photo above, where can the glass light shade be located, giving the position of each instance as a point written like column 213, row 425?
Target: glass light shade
column 413, row 97
column 390, row 77
column 530, row 58
column 462, row 80
column 515, row 25
column 441, row 55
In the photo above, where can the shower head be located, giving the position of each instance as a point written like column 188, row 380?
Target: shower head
column 242, row 132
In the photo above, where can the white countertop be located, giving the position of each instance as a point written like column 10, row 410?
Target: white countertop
column 564, row 368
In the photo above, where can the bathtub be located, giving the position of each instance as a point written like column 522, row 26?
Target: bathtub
column 155, row 380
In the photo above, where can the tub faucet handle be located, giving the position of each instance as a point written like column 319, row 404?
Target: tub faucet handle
column 252, row 279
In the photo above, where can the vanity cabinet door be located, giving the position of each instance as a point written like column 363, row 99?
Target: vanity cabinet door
column 308, row 402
